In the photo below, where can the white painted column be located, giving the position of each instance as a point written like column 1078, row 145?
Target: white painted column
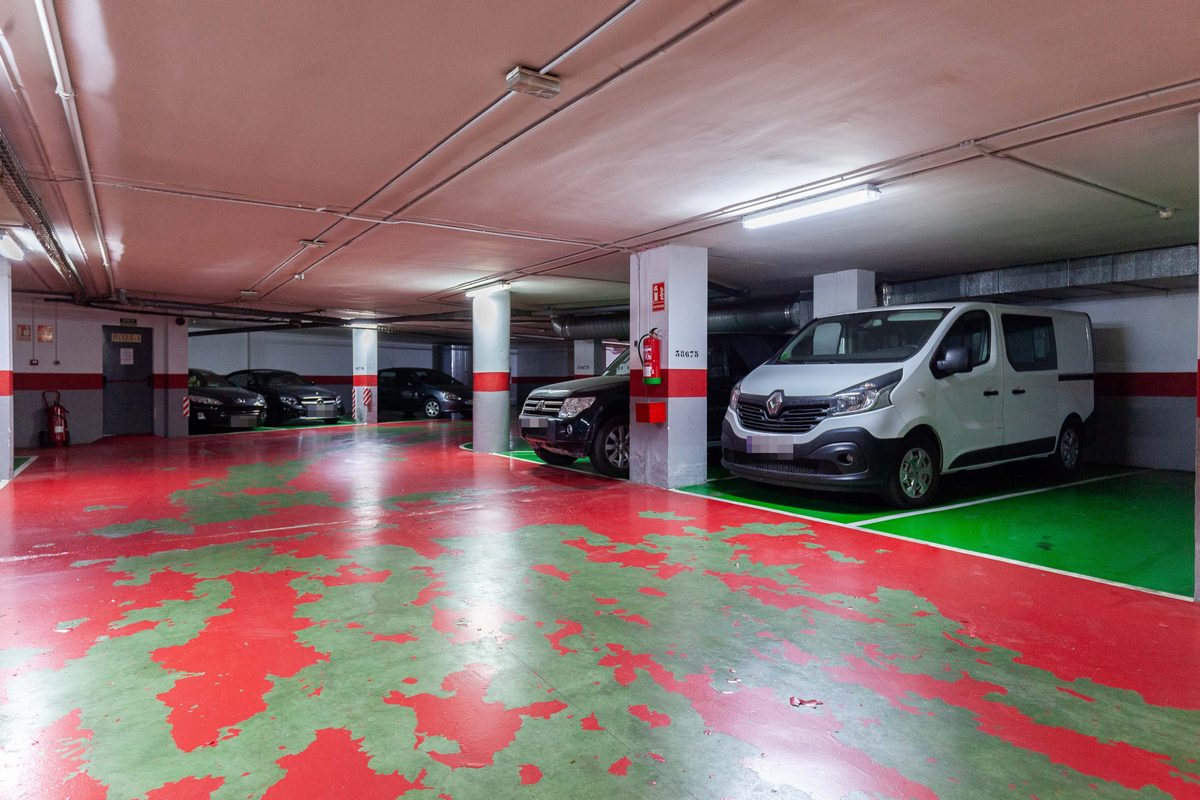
column 838, row 292
column 589, row 358
column 175, row 338
column 490, row 314
column 6, row 371
column 668, row 290
column 364, row 401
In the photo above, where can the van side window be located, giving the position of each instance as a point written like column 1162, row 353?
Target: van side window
column 1029, row 342
column 973, row 331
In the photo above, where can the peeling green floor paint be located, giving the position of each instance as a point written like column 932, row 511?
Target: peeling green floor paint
column 1132, row 527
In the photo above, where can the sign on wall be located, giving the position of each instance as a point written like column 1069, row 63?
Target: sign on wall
column 24, row 333
column 45, row 333
column 658, row 296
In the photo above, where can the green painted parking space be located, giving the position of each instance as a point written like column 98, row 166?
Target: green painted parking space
column 1134, row 529
column 1113, row 523
column 19, row 462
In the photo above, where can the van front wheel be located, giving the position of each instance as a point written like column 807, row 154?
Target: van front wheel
column 913, row 478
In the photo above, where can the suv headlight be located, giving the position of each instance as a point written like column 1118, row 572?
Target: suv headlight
column 866, row 396
column 735, row 395
column 201, row 400
column 288, row 400
column 574, row 406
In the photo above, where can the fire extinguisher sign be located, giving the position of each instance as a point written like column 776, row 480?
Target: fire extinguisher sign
column 658, row 296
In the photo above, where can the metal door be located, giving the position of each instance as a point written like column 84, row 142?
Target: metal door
column 128, row 380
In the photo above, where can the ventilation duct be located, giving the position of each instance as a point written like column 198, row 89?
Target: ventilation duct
column 763, row 315
column 1055, row 278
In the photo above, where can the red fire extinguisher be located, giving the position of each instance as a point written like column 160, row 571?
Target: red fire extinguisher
column 651, row 347
column 56, row 434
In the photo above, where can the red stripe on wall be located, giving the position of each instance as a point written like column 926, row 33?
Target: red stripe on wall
column 1146, row 384
column 366, row 380
column 6, row 382
column 170, row 381
column 491, row 381
column 676, row 383
column 56, row 381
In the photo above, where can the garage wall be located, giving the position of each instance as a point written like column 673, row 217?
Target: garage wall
column 325, row 358
column 536, row 364
column 78, row 375
column 1146, row 378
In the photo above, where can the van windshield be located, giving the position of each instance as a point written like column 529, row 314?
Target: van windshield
column 868, row 336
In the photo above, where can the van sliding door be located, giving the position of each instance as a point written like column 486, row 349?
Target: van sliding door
column 1030, row 384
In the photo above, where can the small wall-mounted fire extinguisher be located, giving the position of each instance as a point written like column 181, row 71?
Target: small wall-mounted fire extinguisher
column 56, row 433
column 651, row 349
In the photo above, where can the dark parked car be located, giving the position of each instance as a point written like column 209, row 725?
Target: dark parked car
column 590, row 416
column 427, row 392
column 290, row 398
column 217, row 403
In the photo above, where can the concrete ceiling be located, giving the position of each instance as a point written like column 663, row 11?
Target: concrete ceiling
column 221, row 134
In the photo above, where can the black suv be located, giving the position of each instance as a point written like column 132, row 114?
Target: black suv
column 590, row 416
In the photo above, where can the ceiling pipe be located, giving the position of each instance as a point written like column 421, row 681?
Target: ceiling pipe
column 66, row 92
column 136, row 304
column 760, row 315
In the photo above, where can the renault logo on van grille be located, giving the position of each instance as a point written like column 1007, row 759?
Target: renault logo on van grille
column 774, row 402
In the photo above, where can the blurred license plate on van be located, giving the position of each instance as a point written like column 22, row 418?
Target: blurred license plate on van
column 776, row 445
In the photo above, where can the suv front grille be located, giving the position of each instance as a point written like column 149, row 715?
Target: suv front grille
column 541, row 407
column 801, row 417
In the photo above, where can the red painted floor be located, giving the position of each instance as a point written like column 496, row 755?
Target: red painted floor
column 373, row 612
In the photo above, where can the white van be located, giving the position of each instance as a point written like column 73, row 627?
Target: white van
column 888, row 399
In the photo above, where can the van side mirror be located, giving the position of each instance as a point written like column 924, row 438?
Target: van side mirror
column 958, row 359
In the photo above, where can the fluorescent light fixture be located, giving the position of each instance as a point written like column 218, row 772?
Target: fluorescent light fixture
column 27, row 238
column 364, row 324
column 492, row 288
column 812, row 206
column 532, row 82
column 10, row 248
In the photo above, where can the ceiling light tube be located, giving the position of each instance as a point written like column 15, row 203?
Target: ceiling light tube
column 10, row 248
column 492, row 288
column 363, row 324
column 812, row 206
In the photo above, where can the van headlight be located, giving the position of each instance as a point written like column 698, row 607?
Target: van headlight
column 574, row 406
column 866, row 396
column 735, row 395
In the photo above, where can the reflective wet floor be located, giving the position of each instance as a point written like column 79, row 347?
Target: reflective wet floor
column 372, row 611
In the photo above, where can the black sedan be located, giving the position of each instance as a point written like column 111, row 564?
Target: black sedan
column 290, row 397
column 427, row 392
column 217, row 403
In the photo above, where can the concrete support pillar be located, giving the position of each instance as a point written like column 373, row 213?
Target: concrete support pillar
column 848, row 290
column 6, row 372
column 1196, row 525
column 490, row 315
column 668, row 290
column 175, row 367
column 364, row 346
column 589, row 357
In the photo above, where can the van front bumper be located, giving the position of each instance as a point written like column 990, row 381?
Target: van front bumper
column 843, row 459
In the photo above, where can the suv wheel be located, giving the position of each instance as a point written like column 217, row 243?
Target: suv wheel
column 913, row 477
column 610, row 448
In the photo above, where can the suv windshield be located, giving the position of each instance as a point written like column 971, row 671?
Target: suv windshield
column 619, row 367
column 867, row 336
column 283, row 379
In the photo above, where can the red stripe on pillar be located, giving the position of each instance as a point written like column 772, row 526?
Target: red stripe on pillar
column 366, row 380
column 676, row 383
column 6, row 382
column 491, row 381
column 56, row 381
column 170, row 381
column 1146, row 384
